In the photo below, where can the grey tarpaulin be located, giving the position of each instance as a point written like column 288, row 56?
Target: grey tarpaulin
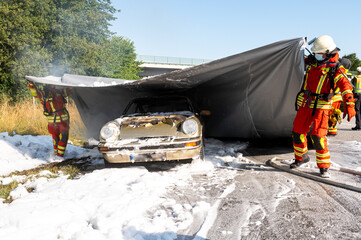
column 250, row 94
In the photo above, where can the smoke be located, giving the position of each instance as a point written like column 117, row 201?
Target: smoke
column 58, row 70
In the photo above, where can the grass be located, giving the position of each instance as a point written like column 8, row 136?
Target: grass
column 26, row 118
column 6, row 189
column 54, row 168
column 57, row 169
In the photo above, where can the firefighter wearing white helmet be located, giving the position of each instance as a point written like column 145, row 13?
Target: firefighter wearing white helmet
column 324, row 46
column 357, row 93
column 323, row 76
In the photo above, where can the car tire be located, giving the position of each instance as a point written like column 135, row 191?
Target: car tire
column 108, row 164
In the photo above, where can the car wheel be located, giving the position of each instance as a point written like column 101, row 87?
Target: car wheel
column 108, row 164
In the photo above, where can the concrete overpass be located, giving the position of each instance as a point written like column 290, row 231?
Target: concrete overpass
column 154, row 65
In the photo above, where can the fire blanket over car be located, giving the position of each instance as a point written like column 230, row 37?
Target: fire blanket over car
column 249, row 95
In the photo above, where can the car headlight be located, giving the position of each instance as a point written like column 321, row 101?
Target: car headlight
column 190, row 126
column 109, row 130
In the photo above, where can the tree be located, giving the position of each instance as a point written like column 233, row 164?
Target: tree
column 22, row 51
column 53, row 37
column 79, row 28
column 118, row 59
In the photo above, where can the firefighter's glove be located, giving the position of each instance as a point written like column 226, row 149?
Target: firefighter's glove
column 333, row 121
column 337, row 113
column 349, row 108
column 335, row 117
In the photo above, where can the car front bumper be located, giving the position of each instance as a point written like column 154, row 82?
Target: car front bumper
column 144, row 153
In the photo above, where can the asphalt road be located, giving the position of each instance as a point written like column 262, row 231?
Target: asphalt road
column 345, row 133
column 267, row 203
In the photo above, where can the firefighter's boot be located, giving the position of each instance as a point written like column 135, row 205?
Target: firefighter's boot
column 324, row 173
column 298, row 163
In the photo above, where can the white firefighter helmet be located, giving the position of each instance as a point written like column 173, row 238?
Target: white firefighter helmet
column 358, row 69
column 324, row 44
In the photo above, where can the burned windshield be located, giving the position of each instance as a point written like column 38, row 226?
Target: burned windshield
column 161, row 104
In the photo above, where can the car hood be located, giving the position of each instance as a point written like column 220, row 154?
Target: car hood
column 150, row 126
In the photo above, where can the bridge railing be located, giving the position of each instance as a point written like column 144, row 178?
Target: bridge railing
column 171, row 60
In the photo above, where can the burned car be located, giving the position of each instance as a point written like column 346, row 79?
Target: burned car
column 153, row 129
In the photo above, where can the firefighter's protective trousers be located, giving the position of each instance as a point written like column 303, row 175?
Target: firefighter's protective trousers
column 302, row 125
column 60, row 134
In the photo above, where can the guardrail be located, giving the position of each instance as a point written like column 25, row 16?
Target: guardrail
column 171, row 60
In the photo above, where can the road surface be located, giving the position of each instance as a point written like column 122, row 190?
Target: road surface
column 259, row 202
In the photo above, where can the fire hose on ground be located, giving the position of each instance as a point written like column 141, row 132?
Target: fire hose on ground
column 272, row 163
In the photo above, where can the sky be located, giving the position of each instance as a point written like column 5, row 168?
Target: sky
column 212, row 29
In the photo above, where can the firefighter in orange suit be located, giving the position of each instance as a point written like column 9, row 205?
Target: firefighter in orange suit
column 335, row 113
column 322, row 76
column 54, row 101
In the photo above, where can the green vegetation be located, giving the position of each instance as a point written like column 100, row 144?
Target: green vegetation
column 67, row 168
column 355, row 62
column 72, row 171
column 52, row 37
column 6, row 189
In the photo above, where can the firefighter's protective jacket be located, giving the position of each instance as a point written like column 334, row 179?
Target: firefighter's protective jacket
column 357, row 83
column 53, row 102
column 317, row 90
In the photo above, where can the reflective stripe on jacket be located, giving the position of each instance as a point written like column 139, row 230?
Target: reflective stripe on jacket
column 337, row 97
column 304, row 101
column 357, row 88
column 53, row 102
column 317, row 82
column 58, row 117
